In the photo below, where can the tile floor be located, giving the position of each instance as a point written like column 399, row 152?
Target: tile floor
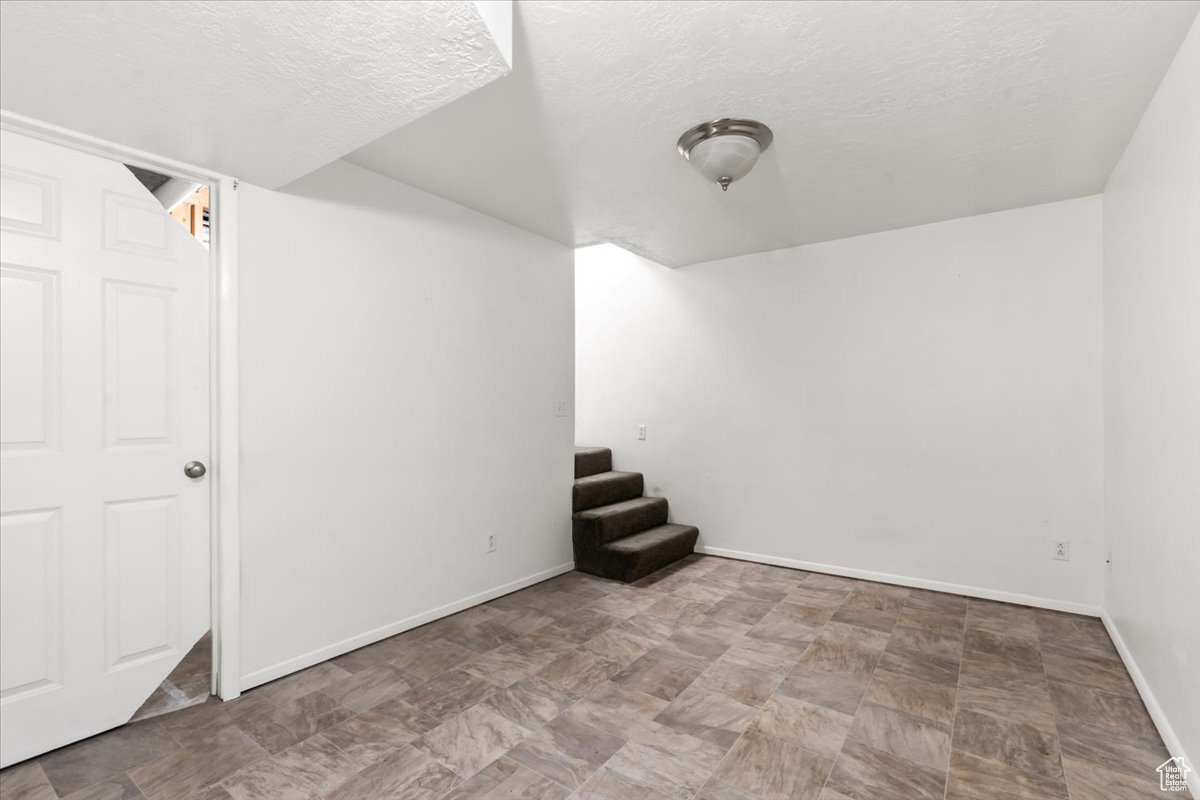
column 187, row 685
column 715, row 680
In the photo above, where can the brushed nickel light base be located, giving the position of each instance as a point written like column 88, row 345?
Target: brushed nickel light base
column 725, row 126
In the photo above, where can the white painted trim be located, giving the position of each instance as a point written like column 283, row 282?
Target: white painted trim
column 1170, row 738
column 904, row 580
column 300, row 662
column 83, row 142
column 226, row 440
column 223, row 436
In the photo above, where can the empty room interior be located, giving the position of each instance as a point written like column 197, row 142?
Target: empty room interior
column 586, row 400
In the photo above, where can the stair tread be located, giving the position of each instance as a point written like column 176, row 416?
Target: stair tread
column 623, row 507
column 584, row 451
column 650, row 538
column 604, row 477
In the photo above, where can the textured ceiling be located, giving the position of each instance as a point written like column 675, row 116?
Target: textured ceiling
column 265, row 91
column 886, row 114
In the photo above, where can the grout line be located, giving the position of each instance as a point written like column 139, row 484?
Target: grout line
column 962, row 639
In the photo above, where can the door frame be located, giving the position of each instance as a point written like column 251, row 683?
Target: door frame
column 224, row 438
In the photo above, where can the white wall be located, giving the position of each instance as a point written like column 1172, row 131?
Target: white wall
column 400, row 360
column 1152, row 401
column 923, row 403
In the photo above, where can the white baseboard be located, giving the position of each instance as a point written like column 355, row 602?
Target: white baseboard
column 1169, row 737
column 903, row 580
column 261, row 676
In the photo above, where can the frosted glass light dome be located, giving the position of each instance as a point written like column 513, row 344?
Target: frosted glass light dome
column 725, row 150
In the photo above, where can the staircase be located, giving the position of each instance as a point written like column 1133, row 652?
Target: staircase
column 618, row 533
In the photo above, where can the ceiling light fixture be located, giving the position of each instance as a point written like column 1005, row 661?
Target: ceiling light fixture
column 725, row 150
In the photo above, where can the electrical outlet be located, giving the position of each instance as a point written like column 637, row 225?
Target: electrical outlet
column 641, row 433
column 491, row 542
column 1062, row 551
column 560, row 408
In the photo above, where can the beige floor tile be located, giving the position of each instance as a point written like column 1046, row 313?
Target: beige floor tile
column 306, row 681
column 624, row 606
column 118, row 787
column 840, row 692
column 1115, row 711
column 617, row 710
column 371, row 736
column 423, row 662
column 739, row 609
column 1030, row 705
column 663, row 672
column 709, row 640
column 566, row 751
column 745, row 683
column 862, row 773
column 1088, row 780
column 187, row 770
column 449, row 695
column 409, row 774
column 507, row 779
column 579, row 671
column 531, row 703
column 510, row 663
column 1014, row 650
column 1002, row 618
column 774, row 769
column 840, row 659
column 1015, row 744
column 708, row 715
column 873, row 618
column 619, row 646
column 468, row 742
column 76, row 766
column 301, row 772
column 583, row 624
column 921, row 666
column 974, row 778
column 780, row 630
column 926, row 600
column 934, row 620
column 932, row 701
column 803, row 613
column 1094, row 673
column 1126, row 753
column 606, row 784
column 814, row 728
column 667, row 760
column 368, row 688
column 290, row 723
column 853, row 635
column 937, row 643
column 913, row 739
column 26, row 781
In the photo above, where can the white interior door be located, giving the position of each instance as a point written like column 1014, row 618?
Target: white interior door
column 104, row 541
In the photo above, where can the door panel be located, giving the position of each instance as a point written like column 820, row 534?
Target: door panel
column 29, row 309
column 104, row 365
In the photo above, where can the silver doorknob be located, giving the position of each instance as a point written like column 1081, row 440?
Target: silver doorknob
column 194, row 469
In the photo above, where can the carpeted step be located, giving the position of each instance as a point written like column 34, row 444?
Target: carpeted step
column 592, row 461
column 605, row 489
column 636, row 556
column 605, row 524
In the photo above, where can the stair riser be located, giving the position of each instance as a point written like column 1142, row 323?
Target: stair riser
column 595, row 532
column 629, row 567
column 593, row 463
column 602, row 493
